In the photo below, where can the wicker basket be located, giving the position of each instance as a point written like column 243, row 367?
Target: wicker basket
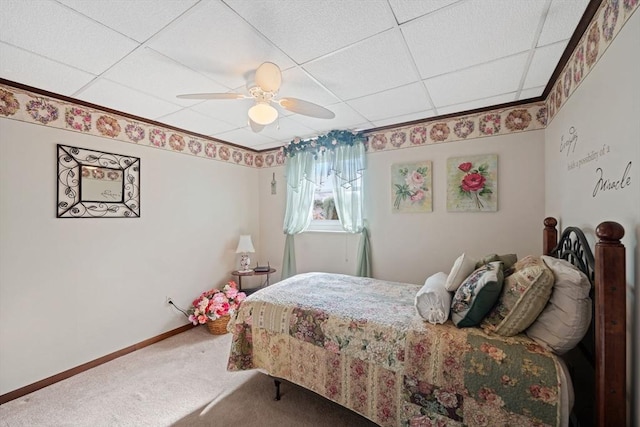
column 218, row 326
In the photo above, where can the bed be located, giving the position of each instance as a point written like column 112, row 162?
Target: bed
column 360, row 343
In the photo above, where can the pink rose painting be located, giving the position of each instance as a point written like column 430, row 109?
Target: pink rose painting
column 472, row 184
column 411, row 187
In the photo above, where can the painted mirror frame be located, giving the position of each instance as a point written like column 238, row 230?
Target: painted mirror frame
column 96, row 184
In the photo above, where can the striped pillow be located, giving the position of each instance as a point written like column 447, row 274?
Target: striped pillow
column 523, row 297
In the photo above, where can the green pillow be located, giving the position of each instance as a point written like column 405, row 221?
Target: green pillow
column 507, row 260
column 476, row 295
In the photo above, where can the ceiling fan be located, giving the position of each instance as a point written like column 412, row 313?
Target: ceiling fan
column 263, row 88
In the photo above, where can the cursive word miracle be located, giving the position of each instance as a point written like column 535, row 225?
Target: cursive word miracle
column 570, row 143
column 604, row 184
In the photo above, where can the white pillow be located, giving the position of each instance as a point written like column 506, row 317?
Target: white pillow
column 433, row 301
column 462, row 268
column 567, row 315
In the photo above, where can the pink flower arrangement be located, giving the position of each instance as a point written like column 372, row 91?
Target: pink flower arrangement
column 215, row 303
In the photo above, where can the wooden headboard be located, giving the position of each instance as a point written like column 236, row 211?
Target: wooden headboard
column 605, row 344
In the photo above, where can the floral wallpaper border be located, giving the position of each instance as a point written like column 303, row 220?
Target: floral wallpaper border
column 603, row 28
column 610, row 17
column 488, row 123
column 33, row 108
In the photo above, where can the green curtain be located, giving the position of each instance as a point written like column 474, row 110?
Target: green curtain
column 289, row 258
column 348, row 164
column 364, row 255
column 300, row 176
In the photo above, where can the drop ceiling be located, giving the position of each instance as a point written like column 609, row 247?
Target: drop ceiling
column 373, row 63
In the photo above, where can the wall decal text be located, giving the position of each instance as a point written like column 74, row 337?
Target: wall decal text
column 605, row 184
column 570, row 143
column 591, row 156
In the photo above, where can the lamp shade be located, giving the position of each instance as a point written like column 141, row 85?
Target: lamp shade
column 245, row 245
column 263, row 113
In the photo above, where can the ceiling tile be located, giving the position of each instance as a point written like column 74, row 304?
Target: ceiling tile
column 115, row 96
column 232, row 111
column 406, row 10
column 320, row 26
column 393, row 102
column 561, row 21
column 404, row 118
column 124, row 15
column 344, row 119
column 211, row 39
column 190, row 120
column 150, row 72
column 478, row 103
column 267, row 146
column 296, row 83
column 57, row 32
column 284, row 127
column 497, row 77
column 34, row 70
column 491, row 30
column 245, row 137
column 376, row 64
column 534, row 92
column 544, row 61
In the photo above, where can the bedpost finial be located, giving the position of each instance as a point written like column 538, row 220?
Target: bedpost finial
column 610, row 231
column 550, row 222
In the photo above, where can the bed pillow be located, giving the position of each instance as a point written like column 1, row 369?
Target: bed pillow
column 462, row 268
column 476, row 295
column 433, row 301
column 507, row 260
column 524, row 295
column 566, row 318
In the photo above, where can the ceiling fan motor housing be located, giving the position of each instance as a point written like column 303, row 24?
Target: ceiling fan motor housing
column 262, row 95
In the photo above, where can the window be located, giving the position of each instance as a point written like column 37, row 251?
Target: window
column 342, row 151
column 324, row 216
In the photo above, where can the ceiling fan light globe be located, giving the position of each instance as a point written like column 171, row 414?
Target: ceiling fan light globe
column 263, row 114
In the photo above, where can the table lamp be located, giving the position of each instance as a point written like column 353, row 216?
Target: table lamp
column 245, row 246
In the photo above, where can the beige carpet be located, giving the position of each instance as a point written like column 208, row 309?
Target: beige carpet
column 181, row 381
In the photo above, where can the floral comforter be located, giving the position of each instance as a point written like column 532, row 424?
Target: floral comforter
column 360, row 343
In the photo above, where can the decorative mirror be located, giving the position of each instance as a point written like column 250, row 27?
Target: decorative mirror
column 95, row 184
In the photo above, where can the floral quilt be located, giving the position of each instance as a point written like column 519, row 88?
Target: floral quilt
column 360, row 343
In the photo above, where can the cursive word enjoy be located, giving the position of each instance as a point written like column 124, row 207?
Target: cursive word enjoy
column 570, row 143
column 604, row 184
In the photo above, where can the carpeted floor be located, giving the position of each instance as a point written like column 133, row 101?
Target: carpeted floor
column 181, row 381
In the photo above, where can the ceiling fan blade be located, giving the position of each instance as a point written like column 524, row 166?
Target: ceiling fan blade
column 255, row 126
column 230, row 95
column 306, row 108
column 268, row 77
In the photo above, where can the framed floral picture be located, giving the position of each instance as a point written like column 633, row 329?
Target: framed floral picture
column 411, row 189
column 472, row 183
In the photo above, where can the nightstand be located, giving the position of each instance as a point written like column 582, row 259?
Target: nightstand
column 240, row 275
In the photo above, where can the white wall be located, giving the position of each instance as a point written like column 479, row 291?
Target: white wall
column 73, row 290
column 604, row 111
column 410, row 247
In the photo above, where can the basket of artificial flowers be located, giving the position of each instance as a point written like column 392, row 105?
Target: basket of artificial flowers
column 215, row 307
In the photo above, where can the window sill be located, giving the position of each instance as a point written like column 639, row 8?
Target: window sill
column 325, row 226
